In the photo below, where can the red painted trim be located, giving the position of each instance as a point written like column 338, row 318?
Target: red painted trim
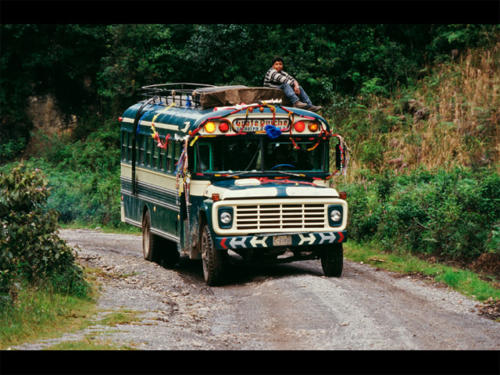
column 223, row 243
column 341, row 237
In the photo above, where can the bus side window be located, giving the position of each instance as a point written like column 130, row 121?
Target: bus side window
column 170, row 156
column 129, row 146
column 162, row 160
column 140, row 150
column 203, row 158
column 149, row 151
column 177, row 153
column 155, row 153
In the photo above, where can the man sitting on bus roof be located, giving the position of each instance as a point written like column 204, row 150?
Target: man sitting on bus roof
column 276, row 77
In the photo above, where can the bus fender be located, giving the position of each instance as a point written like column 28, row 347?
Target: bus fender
column 204, row 216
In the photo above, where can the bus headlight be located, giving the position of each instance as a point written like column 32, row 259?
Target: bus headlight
column 335, row 213
column 225, row 217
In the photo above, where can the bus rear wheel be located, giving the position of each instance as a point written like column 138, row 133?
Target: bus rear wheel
column 332, row 260
column 212, row 259
column 150, row 242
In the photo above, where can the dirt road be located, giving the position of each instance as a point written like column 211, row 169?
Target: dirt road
column 289, row 306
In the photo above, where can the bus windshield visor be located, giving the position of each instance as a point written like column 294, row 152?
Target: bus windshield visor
column 259, row 155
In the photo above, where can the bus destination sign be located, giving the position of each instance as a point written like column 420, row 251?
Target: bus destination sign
column 253, row 125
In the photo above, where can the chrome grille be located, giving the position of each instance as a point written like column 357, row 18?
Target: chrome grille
column 281, row 216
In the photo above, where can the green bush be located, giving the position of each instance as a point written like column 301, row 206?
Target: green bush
column 31, row 250
column 83, row 175
column 11, row 148
column 453, row 214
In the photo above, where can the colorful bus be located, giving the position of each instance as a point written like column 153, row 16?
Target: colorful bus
column 216, row 172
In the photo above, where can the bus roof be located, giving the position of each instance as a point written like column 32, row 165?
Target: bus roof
column 185, row 110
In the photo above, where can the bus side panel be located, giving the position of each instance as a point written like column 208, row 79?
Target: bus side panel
column 133, row 209
column 165, row 220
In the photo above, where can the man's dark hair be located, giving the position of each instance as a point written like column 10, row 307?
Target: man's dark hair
column 277, row 58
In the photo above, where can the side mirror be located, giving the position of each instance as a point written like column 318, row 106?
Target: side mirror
column 341, row 156
column 338, row 157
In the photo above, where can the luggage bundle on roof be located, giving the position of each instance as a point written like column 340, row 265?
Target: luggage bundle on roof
column 203, row 96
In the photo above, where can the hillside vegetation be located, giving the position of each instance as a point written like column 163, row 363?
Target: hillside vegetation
column 418, row 106
column 424, row 171
column 449, row 118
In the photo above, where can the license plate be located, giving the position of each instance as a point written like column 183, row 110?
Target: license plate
column 258, row 124
column 282, row 241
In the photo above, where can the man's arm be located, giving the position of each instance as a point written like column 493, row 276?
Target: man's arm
column 275, row 77
column 294, row 83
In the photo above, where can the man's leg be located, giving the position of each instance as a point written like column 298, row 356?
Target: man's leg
column 304, row 97
column 289, row 93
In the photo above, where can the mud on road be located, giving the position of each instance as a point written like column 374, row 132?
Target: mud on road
column 288, row 306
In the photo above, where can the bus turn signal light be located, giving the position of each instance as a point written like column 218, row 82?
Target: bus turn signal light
column 299, row 126
column 224, row 127
column 313, row 127
column 210, row 127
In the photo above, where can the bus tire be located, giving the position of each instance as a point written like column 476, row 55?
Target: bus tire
column 332, row 260
column 150, row 242
column 211, row 258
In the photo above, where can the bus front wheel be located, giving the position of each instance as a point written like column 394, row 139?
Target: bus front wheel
column 212, row 259
column 332, row 260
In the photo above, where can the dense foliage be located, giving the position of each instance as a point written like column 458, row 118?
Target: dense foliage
column 450, row 214
column 31, row 251
column 403, row 96
column 100, row 68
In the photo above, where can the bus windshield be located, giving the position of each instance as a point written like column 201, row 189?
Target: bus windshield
column 230, row 155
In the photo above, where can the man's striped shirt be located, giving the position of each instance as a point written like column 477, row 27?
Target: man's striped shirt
column 274, row 78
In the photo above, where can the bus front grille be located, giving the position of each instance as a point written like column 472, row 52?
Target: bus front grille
column 281, row 216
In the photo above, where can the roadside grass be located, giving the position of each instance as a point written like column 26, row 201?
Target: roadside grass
column 89, row 342
column 463, row 281
column 40, row 314
column 120, row 317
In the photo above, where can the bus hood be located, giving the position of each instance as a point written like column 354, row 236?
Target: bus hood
column 267, row 188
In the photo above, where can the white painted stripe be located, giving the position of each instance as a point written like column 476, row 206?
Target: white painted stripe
column 256, row 241
column 309, row 239
column 158, row 125
column 161, row 180
column 237, row 242
column 310, row 191
column 198, row 187
column 330, row 237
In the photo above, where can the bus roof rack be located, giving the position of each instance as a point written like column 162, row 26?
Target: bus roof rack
column 200, row 95
column 180, row 93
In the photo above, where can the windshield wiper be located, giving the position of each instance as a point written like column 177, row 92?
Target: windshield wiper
column 229, row 175
column 291, row 174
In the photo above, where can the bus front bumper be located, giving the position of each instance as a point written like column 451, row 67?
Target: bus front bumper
column 280, row 240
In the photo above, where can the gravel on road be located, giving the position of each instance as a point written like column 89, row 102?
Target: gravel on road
column 288, row 306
